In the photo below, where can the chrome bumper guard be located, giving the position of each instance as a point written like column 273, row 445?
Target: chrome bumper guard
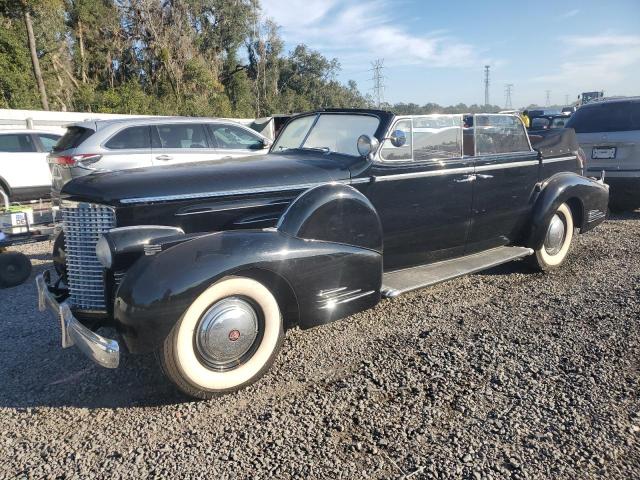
column 103, row 351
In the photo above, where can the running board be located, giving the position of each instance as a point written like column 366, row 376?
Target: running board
column 402, row 281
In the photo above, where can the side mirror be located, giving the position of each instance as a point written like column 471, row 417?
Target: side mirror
column 266, row 143
column 398, row 138
column 367, row 145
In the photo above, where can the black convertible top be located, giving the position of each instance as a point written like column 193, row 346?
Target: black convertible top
column 555, row 143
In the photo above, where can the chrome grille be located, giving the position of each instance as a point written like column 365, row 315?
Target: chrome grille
column 83, row 223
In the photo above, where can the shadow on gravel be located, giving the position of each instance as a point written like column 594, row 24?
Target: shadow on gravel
column 36, row 372
column 508, row 268
column 615, row 216
column 64, row 378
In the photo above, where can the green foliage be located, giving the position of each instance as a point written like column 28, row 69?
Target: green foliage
column 430, row 108
column 179, row 57
column 17, row 85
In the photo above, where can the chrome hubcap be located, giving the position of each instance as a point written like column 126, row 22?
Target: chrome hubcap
column 226, row 332
column 555, row 235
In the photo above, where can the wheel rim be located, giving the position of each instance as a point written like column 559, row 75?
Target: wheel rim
column 227, row 334
column 556, row 234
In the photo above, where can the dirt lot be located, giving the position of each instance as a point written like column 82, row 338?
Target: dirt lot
column 505, row 374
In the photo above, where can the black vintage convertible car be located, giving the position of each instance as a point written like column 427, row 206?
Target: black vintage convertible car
column 208, row 264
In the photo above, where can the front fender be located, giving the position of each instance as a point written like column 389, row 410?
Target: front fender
column 588, row 199
column 158, row 289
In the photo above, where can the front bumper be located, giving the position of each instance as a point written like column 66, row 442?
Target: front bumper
column 103, row 351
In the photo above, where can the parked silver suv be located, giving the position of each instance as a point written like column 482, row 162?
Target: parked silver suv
column 609, row 133
column 106, row 145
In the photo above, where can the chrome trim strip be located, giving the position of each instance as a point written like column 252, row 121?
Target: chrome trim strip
column 499, row 166
column 357, row 181
column 330, row 291
column 225, row 193
column 429, row 173
column 344, row 298
column 257, row 220
column 231, row 207
column 559, row 159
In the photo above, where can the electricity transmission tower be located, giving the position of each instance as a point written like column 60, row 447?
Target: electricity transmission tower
column 378, row 80
column 548, row 101
column 507, row 96
column 486, row 84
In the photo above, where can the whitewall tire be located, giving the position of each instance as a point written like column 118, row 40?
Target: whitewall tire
column 557, row 242
column 227, row 339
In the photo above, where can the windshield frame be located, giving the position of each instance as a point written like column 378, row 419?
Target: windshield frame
column 317, row 116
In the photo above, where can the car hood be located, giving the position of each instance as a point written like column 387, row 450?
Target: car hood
column 270, row 172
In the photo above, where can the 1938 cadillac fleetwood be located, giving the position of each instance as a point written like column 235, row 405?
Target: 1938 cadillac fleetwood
column 209, row 264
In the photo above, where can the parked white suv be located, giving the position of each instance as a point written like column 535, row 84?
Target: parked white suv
column 107, row 145
column 24, row 171
column 609, row 133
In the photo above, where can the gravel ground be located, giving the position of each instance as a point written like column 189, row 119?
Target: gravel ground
column 505, row 374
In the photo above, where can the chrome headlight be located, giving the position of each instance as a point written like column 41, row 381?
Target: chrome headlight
column 104, row 253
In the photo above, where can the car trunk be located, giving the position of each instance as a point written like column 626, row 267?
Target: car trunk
column 612, row 151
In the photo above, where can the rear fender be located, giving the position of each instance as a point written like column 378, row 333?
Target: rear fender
column 329, row 277
column 587, row 198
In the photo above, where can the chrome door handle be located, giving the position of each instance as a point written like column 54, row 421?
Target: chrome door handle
column 483, row 176
column 465, row 179
column 164, row 157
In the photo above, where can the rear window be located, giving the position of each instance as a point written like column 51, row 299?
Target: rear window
column 182, row 135
column 72, row 138
column 130, row 138
column 48, row 140
column 539, row 123
column 606, row 117
column 17, row 143
column 497, row 134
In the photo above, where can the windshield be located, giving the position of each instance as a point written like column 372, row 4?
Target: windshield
column 327, row 131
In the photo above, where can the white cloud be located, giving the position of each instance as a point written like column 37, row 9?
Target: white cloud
column 358, row 31
column 569, row 14
column 596, row 62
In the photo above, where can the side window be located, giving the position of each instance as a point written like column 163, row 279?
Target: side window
column 182, row 135
column 496, row 134
column 130, row 138
column 48, row 141
column 232, row 137
column 405, row 152
column 437, row 137
column 17, row 143
column 539, row 123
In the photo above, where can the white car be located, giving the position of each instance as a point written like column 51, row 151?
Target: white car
column 24, row 170
column 121, row 144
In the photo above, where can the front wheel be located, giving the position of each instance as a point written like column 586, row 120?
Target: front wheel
column 227, row 339
column 557, row 241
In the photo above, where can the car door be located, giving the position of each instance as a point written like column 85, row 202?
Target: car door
column 232, row 141
column 129, row 147
column 21, row 165
column 175, row 143
column 422, row 192
column 506, row 173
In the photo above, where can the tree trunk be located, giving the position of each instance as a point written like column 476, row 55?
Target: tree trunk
column 83, row 68
column 34, row 60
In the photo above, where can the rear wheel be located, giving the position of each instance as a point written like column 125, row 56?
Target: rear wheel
column 15, row 268
column 227, row 339
column 557, row 241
